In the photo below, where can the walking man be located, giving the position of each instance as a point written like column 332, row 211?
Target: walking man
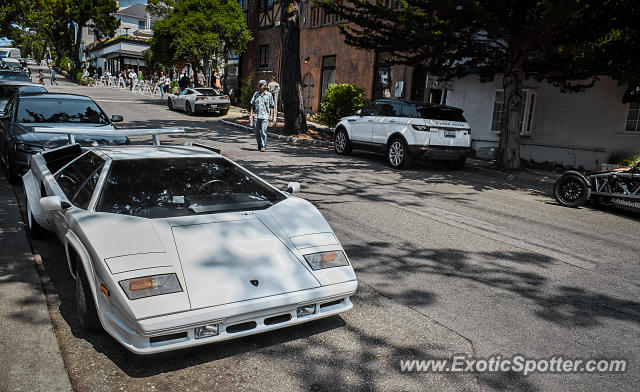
column 261, row 114
column 274, row 89
column 201, row 79
column 53, row 77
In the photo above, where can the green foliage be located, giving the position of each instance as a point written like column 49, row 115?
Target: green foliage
column 77, row 75
column 341, row 100
column 63, row 61
column 625, row 158
column 199, row 29
column 247, row 89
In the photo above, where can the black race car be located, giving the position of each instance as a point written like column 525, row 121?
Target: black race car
column 618, row 187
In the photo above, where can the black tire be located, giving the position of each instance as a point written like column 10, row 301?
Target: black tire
column 170, row 103
column 187, row 109
column 398, row 154
column 224, row 112
column 33, row 228
column 571, row 190
column 341, row 143
column 457, row 164
column 85, row 305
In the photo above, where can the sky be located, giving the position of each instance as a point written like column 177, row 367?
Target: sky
column 127, row 3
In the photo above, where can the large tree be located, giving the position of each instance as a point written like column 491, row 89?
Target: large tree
column 195, row 30
column 569, row 43
column 96, row 14
column 294, row 118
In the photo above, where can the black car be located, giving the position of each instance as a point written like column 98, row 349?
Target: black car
column 8, row 88
column 15, row 75
column 24, row 111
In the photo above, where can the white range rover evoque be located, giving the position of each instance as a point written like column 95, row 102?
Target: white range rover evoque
column 177, row 246
column 406, row 131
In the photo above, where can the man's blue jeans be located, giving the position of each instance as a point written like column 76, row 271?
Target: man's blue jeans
column 260, row 130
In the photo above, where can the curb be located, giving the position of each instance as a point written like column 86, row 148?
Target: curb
column 282, row 138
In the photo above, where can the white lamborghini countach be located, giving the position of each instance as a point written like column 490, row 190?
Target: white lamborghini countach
column 177, row 246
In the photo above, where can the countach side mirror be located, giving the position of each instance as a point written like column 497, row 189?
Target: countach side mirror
column 116, row 118
column 293, row 187
column 53, row 203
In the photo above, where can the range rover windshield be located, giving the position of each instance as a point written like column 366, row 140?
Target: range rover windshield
column 161, row 188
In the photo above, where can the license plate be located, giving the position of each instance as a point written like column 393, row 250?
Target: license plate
column 449, row 133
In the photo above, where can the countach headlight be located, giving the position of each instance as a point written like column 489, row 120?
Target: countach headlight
column 149, row 286
column 326, row 259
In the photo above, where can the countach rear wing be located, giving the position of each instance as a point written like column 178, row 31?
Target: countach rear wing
column 71, row 132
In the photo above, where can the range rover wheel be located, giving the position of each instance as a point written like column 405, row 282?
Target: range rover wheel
column 398, row 154
column 341, row 142
column 571, row 190
column 86, row 307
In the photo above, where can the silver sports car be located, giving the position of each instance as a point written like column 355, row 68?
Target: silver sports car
column 177, row 246
column 199, row 100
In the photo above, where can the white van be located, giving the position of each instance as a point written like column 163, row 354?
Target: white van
column 13, row 53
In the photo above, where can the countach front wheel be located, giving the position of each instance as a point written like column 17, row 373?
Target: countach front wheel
column 341, row 142
column 571, row 190
column 86, row 307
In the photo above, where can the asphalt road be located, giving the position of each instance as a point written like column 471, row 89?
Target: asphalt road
column 449, row 262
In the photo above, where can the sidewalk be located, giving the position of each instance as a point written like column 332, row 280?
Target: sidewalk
column 30, row 358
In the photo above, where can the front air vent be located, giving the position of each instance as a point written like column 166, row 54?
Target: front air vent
column 164, row 338
column 332, row 303
column 241, row 327
column 283, row 318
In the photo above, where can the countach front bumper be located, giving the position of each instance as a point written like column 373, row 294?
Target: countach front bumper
column 229, row 321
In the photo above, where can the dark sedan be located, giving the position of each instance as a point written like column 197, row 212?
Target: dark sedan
column 15, row 75
column 24, row 111
column 8, row 88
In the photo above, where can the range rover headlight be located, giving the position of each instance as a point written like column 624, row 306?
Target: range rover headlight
column 323, row 260
column 149, row 286
column 420, row 127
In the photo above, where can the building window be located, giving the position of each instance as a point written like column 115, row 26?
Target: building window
column 269, row 13
column 328, row 72
column 633, row 117
column 141, row 24
column 528, row 111
column 263, row 56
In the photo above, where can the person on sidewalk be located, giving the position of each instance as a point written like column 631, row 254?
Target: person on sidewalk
column 161, row 82
column 183, row 82
column 261, row 114
column 274, row 89
column 201, row 79
column 53, row 77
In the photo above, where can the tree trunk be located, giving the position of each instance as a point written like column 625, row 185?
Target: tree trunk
column 509, row 149
column 291, row 84
column 76, row 49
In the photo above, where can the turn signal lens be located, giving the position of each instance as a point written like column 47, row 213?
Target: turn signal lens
column 140, row 284
column 323, row 260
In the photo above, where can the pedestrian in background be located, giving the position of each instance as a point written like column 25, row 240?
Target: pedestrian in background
column 53, row 77
column 201, row 79
column 261, row 114
column 274, row 89
column 161, row 81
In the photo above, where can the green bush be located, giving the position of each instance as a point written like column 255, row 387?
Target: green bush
column 341, row 100
column 625, row 158
column 78, row 75
column 247, row 90
column 63, row 61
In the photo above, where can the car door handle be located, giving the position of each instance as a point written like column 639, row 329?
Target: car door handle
column 392, row 121
column 370, row 120
column 351, row 120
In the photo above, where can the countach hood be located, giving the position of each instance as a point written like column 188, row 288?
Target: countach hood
column 232, row 261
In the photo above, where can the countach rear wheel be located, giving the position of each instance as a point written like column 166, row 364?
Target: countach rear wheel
column 341, row 142
column 85, row 305
column 571, row 190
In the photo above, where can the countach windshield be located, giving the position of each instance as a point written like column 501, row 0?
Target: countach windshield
column 160, row 188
